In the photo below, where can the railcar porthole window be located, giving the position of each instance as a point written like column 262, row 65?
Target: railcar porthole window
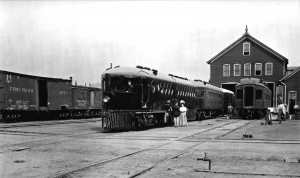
column 153, row 88
column 167, row 89
column 258, row 94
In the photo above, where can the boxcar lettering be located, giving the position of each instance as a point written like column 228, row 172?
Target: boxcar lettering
column 14, row 89
column 27, row 90
column 63, row 92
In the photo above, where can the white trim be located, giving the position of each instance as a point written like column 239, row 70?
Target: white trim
column 266, row 69
column 274, row 93
column 245, row 43
column 228, row 70
column 245, row 69
column 234, row 66
column 260, row 69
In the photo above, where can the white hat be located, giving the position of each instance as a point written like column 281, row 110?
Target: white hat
column 182, row 102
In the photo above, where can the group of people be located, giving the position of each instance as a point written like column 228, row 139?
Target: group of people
column 176, row 114
column 280, row 112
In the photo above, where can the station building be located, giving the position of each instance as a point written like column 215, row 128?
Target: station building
column 247, row 57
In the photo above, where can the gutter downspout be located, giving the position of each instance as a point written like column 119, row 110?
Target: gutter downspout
column 284, row 91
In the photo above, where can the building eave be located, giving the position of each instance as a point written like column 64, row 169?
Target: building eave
column 285, row 78
column 235, row 43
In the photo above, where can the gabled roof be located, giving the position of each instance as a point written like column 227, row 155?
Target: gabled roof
column 286, row 77
column 246, row 36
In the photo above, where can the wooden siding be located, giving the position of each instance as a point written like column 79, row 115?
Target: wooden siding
column 235, row 56
column 293, row 84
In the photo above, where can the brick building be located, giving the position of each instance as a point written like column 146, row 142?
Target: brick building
column 247, row 57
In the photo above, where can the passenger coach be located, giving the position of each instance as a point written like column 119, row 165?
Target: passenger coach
column 253, row 97
column 135, row 97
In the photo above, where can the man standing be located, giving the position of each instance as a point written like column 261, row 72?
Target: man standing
column 176, row 114
column 229, row 110
column 168, row 110
column 281, row 112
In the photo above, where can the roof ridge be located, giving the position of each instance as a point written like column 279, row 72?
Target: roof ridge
column 244, row 36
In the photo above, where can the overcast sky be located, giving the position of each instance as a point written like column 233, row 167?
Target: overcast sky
column 80, row 39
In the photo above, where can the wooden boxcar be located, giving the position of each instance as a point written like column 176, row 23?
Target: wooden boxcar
column 26, row 97
column 253, row 97
column 86, row 101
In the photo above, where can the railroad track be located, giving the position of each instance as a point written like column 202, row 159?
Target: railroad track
column 45, row 123
column 107, row 161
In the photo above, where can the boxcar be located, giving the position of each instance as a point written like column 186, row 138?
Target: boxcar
column 253, row 97
column 86, row 102
column 27, row 97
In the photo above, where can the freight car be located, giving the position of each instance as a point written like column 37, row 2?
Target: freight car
column 86, row 102
column 26, row 97
column 253, row 97
column 135, row 97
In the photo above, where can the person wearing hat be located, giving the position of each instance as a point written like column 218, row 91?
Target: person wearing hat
column 182, row 117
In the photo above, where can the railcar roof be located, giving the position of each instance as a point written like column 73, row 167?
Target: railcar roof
column 252, row 81
column 227, row 91
column 33, row 76
column 131, row 72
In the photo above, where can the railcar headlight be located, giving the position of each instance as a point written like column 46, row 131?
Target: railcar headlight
column 106, row 99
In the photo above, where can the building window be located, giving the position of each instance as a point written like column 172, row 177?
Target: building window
column 246, row 49
column 293, row 95
column 269, row 69
column 237, row 69
column 247, row 69
column 258, row 69
column 226, row 70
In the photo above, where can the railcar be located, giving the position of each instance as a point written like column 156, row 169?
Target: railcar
column 135, row 97
column 253, row 97
column 209, row 100
column 27, row 97
column 86, row 102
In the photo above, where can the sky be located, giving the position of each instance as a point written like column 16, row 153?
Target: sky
column 81, row 38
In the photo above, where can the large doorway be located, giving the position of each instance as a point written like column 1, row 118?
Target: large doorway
column 43, row 93
column 271, row 86
column 229, row 86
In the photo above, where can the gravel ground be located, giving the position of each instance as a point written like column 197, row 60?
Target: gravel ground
column 48, row 151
